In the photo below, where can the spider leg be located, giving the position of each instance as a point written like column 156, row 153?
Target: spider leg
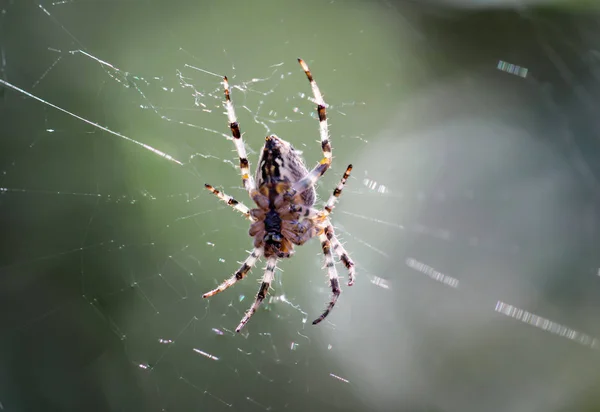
column 309, row 212
column 262, row 292
column 313, row 217
column 334, row 279
column 341, row 253
column 240, row 207
column 247, row 179
column 311, row 178
column 304, row 231
column 239, row 274
column 330, row 233
column 336, row 193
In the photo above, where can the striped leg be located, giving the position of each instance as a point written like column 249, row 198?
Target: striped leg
column 239, row 275
column 247, row 179
column 311, row 178
column 329, row 232
column 336, row 193
column 341, row 253
column 311, row 212
column 262, row 292
column 334, row 280
column 240, row 207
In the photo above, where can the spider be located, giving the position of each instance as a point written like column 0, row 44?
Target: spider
column 285, row 215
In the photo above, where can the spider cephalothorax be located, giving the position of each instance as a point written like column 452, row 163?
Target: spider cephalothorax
column 284, row 195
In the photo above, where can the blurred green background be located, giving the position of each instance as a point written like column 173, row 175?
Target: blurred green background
column 471, row 186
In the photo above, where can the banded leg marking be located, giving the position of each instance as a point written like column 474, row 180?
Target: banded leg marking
column 240, row 207
column 311, row 178
column 334, row 280
column 336, row 192
column 247, row 179
column 339, row 250
column 239, row 274
column 262, row 291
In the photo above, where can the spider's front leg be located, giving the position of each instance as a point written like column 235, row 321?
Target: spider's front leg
column 334, row 280
column 239, row 274
column 262, row 291
column 341, row 252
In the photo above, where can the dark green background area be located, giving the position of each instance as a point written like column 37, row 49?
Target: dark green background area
column 492, row 179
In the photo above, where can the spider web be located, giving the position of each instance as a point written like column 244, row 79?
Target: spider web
column 466, row 249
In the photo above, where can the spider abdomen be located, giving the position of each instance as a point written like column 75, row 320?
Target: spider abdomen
column 280, row 163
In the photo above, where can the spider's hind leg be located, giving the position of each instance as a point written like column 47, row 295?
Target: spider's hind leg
column 319, row 170
column 234, row 126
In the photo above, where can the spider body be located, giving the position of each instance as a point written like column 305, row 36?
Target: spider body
column 277, row 227
column 285, row 216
